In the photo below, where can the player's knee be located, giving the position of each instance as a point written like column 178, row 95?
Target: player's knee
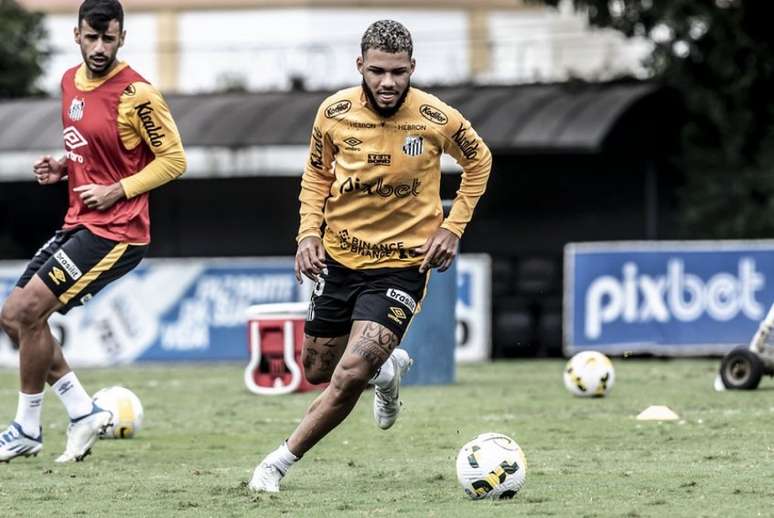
column 349, row 381
column 314, row 372
column 8, row 316
column 5, row 322
column 18, row 313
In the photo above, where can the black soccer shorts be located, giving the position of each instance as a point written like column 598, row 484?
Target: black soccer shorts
column 388, row 296
column 76, row 264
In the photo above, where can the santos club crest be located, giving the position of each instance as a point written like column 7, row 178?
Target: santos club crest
column 76, row 109
column 413, row 146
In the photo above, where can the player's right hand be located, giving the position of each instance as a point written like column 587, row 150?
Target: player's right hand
column 310, row 258
column 48, row 170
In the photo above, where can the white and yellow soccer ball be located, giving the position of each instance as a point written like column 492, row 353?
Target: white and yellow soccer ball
column 127, row 412
column 589, row 374
column 491, row 466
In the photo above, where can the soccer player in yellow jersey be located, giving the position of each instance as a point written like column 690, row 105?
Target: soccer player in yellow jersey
column 373, row 180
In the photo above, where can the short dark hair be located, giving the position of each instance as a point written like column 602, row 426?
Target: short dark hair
column 99, row 13
column 387, row 35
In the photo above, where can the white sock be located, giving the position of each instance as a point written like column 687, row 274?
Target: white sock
column 73, row 396
column 28, row 413
column 282, row 458
column 384, row 375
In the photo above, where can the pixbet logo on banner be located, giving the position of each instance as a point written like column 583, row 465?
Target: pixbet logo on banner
column 678, row 295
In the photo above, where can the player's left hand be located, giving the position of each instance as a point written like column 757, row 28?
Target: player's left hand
column 439, row 251
column 100, row 197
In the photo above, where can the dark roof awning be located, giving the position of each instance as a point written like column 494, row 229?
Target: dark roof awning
column 552, row 118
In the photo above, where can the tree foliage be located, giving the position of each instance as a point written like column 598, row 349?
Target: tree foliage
column 22, row 49
column 720, row 55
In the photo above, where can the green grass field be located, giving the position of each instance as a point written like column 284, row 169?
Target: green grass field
column 204, row 433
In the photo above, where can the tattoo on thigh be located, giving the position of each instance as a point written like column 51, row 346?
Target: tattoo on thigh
column 375, row 344
column 309, row 358
column 328, row 360
column 327, row 342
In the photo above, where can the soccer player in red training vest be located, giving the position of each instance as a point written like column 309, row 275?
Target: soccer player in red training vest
column 120, row 143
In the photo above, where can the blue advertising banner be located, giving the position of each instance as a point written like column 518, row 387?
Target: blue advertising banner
column 174, row 309
column 195, row 309
column 672, row 298
column 430, row 337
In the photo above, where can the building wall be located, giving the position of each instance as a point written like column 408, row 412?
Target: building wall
column 200, row 50
column 534, row 205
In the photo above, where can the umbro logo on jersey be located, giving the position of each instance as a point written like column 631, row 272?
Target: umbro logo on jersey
column 353, row 143
column 73, row 138
column 76, row 109
column 413, row 146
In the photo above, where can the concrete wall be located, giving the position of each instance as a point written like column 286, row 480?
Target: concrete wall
column 200, row 50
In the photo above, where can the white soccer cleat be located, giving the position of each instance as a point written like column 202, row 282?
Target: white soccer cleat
column 83, row 432
column 386, row 400
column 266, row 477
column 15, row 443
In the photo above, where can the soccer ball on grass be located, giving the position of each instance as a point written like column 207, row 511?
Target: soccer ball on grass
column 127, row 412
column 491, row 466
column 589, row 373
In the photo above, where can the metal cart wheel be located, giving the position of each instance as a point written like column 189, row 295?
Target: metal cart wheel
column 741, row 369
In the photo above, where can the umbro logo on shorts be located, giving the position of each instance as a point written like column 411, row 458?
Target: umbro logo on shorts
column 402, row 297
column 57, row 275
column 68, row 264
column 397, row 314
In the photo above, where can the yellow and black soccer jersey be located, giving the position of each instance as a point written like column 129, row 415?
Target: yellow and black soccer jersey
column 375, row 181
